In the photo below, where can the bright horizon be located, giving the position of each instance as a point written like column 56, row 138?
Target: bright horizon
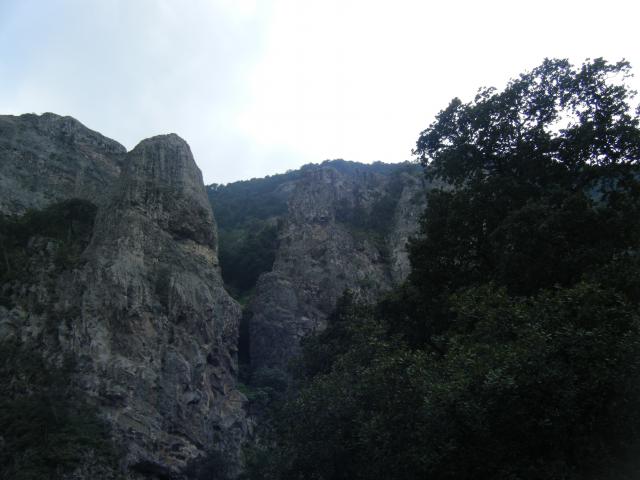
column 260, row 87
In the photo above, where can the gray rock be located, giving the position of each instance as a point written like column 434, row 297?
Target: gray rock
column 332, row 240
column 143, row 312
column 48, row 158
column 165, row 350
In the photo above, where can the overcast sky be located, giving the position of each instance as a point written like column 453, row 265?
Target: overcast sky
column 259, row 87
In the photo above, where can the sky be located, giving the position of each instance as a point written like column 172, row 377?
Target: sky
column 260, row 87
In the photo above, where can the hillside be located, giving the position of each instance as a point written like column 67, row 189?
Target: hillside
column 116, row 302
column 472, row 316
column 291, row 244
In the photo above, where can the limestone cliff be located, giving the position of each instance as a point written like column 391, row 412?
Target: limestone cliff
column 166, row 328
column 124, row 285
column 141, row 308
column 346, row 226
column 48, row 158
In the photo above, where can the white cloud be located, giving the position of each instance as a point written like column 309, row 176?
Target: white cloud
column 360, row 79
column 258, row 87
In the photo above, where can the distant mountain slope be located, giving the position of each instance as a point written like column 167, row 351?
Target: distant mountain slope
column 290, row 245
column 248, row 213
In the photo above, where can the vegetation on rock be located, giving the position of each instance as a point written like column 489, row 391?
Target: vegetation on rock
column 246, row 213
column 64, row 229
column 513, row 349
column 249, row 214
column 69, row 223
column 48, row 427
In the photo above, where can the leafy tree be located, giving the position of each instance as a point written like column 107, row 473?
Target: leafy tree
column 513, row 350
column 246, row 255
column 320, row 351
column 545, row 185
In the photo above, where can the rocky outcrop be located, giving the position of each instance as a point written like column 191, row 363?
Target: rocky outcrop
column 345, row 228
column 411, row 204
column 49, row 158
column 142, row 312
column 133, row 296
column 166, row 328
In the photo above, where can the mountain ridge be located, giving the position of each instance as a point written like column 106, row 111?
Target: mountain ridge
column 319, row 230
column 138, row 308
column 115, row 260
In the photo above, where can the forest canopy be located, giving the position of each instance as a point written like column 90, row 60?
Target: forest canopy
column 513, row 349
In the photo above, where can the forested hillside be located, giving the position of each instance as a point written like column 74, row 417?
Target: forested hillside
column 249, row 213
column 473, row 316
column 512, row 351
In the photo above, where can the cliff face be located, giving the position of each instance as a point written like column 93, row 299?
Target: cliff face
column 48, row 158
column 344, row 228
column 125, row 283
column 142, row 310
column 168, row 328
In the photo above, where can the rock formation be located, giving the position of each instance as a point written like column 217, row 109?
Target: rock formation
column 131, row 291
column 48, row 158
column 143, row 311
column 153, row 282
column 344, row 228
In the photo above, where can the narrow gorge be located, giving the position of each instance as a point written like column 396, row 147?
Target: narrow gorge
column 111, row 281
column 339, row 226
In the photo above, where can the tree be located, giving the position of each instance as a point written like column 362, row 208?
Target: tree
column 543, row 185
column 512, row 352
column 524, row 261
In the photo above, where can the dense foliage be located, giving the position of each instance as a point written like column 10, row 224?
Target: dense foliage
column 248, row 214
column 47, row 426
column 69, row 222
column 239, row 203
column 246, row 253
column 65, row 228
column 513, row 350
